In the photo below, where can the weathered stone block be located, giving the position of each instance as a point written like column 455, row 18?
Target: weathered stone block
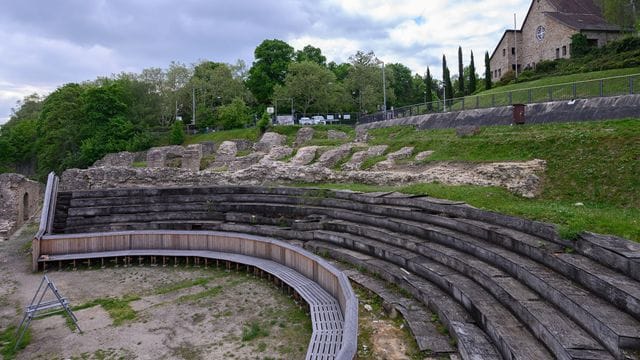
column 303, row 136
column 336, row 135
column 123, row 158
column 269, row 140
column 191, row 157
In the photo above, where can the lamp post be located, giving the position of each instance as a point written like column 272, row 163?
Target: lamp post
column 384, row 92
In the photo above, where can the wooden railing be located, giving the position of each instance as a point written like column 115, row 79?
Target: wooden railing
column 313, row 267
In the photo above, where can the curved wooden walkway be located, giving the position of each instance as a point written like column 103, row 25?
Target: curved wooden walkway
column 326, row 315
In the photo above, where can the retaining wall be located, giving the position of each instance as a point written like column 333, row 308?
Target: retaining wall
column 605, row 108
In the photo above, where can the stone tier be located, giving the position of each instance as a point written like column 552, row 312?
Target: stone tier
column 513, row 281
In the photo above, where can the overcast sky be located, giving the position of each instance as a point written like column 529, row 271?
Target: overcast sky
column 45, row 44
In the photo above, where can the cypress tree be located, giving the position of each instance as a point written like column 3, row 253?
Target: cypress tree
column 487, row 71
column 446, row 79
column 472, row 76
column 460, row 72
column 428, row 81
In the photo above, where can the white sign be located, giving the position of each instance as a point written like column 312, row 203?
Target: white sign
column 347, row 116
column 285, row 120
column 270, row 110
column 329, row 117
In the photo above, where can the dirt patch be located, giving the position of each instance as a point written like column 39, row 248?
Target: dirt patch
column 379, row 336
column 178, row 313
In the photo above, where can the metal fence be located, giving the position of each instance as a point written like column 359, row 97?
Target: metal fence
column 612, row 86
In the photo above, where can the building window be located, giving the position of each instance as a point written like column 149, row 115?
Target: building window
column 513, row 51
column 564, row 50
column 499, row 72
column 557, row 53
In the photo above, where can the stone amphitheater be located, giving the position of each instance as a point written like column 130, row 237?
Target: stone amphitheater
column 504, row 287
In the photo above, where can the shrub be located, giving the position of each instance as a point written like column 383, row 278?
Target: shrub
column 177, row 133
column 263, row 123
column 579, row 45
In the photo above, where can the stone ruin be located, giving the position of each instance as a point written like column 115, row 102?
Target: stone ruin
column 271, row 160
column 19, row 201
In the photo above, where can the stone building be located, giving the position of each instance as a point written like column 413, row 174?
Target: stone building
column 546, row 34
column 19, row 201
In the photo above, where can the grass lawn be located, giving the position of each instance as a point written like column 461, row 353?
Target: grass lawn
column 596, row 164
column 554, row 88
column 593, row 163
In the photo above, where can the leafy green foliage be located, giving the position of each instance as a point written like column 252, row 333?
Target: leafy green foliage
column 263, row 123
column 487, row 71
column 269, row 69
column 234, row 115
column 177, row 133
column 472, row 76
column 311, row 86
column 313, row 54
column 579, row 45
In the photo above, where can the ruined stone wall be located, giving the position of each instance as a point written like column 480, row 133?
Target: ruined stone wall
column 607, row 108
column 20, row 199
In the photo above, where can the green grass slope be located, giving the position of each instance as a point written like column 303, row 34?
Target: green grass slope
column 596, row 164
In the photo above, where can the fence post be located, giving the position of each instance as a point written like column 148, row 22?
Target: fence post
column 462, row 103
column 510, row 97
column 601, row 88
column 477, row 101
column 550, row 93
column 573, row 88
column 530, row 96
column 493, row 100
column 630, row 85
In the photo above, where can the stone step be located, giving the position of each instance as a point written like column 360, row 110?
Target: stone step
column 472, row 342
column 143, row 217
column 566, row 339
column 418, row 319
column 618, row 289
column 509, row 334
column 612, row 327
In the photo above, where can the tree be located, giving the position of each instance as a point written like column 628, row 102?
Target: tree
column 429, row 86
column 472, row 76
column 177, row 133
column 61, row 126
column 579, row 45
column 214, row 84
column 310, row 53
column 309, row 84
column 487, row 71
column 401, row 81
column 340, row 71
column 446, row 79
column 364, row 82
column 234, row 115
column 269, row 69
column 461, row 89
column 621, row 12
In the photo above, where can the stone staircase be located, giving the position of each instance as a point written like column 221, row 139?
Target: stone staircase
column 503, row 286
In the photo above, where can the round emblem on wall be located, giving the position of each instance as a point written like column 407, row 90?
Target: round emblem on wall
column 540, row 31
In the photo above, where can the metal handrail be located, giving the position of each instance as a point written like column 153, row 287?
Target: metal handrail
column 539, row 94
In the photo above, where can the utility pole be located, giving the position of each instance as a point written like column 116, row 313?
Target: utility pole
column 193, row 106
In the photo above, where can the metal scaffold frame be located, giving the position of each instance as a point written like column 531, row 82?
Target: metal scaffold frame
column 42, row 307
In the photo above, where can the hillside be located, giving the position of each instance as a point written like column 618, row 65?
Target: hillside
column 590, row 183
